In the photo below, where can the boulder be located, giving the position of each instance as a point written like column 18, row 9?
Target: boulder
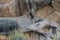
column 8, row 8
column 7, row 26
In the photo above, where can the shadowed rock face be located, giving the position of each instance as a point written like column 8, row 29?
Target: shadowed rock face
column 21, row 6
column 7, row 26
column 42, row 3
column 34, row 5
column 38, row 3
column 35, row 32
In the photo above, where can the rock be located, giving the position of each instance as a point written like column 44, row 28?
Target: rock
column 54, row 17
column 42, row 13
column 42, row 3
column 56, row 4
column 38, row 26
column 7, row 26
column 8, row 8
column 24, row 23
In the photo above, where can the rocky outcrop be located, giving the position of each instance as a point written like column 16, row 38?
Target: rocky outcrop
column 56, row 4
column 8, row 8
column 32, row 15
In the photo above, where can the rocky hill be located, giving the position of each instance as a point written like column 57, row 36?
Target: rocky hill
column 36, row 19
